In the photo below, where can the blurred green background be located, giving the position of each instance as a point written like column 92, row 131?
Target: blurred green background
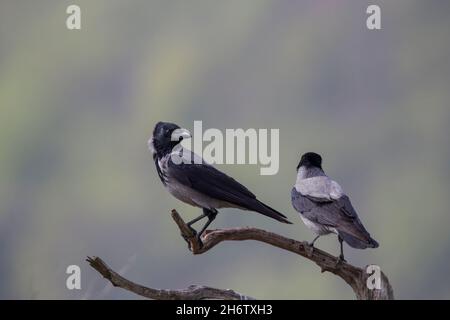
column 77, row 108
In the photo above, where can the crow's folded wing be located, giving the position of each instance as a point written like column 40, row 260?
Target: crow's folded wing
column 207, row 180
column 338, row 214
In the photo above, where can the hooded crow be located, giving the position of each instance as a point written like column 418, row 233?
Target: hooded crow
column 190, row 179
column 324, row 207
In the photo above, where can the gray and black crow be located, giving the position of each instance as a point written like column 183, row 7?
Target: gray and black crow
column 324, row 207
column 196, row 182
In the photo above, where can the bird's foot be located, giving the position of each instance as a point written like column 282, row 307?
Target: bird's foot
column 339, row 261
column 188, row 238
column 309, row 248
column 198, row 237
column 194, row 233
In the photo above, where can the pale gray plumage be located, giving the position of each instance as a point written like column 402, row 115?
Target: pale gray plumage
column 324, row 207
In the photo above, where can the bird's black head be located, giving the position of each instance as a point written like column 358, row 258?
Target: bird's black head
column 310, row 159
column 165, row 137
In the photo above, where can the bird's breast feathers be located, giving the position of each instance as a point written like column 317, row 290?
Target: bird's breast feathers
column 183, row 191
column 321, row 187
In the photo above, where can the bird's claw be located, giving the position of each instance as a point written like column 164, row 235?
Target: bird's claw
column 188, row 238
column 309, row 248
column 194, row 233
column 199, row 241
column 339, row 261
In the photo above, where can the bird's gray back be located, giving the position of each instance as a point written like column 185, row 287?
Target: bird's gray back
column 306, row 209
column 332, row 215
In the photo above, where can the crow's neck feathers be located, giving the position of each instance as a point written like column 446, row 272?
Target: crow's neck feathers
column 309, row 172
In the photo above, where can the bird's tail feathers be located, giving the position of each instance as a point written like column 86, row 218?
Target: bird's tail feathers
column 357, row 243
column 264, row 209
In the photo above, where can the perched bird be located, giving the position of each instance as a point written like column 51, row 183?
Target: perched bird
column 190, row 179
column 324, row 208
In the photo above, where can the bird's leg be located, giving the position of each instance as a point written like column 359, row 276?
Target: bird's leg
column 211, row 214
column 311, row 246
column 185, row 237
column 341, row 256
column 200, row 217
column 312, row 243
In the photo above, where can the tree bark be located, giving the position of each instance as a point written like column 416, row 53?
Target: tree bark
column 193, row 292
column 355, row 277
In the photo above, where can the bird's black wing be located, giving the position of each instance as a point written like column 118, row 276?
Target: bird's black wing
column 207, row 180
column 210, row 181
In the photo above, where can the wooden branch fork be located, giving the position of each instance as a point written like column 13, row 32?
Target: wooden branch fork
column 355, row 277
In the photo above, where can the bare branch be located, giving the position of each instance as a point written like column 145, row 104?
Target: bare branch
column 193, row 292
column 353, row 276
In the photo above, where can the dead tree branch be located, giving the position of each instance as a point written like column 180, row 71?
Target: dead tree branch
column 355, row 277
column 193, row 292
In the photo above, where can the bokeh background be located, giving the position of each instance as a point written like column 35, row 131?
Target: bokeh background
column 77, row 108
